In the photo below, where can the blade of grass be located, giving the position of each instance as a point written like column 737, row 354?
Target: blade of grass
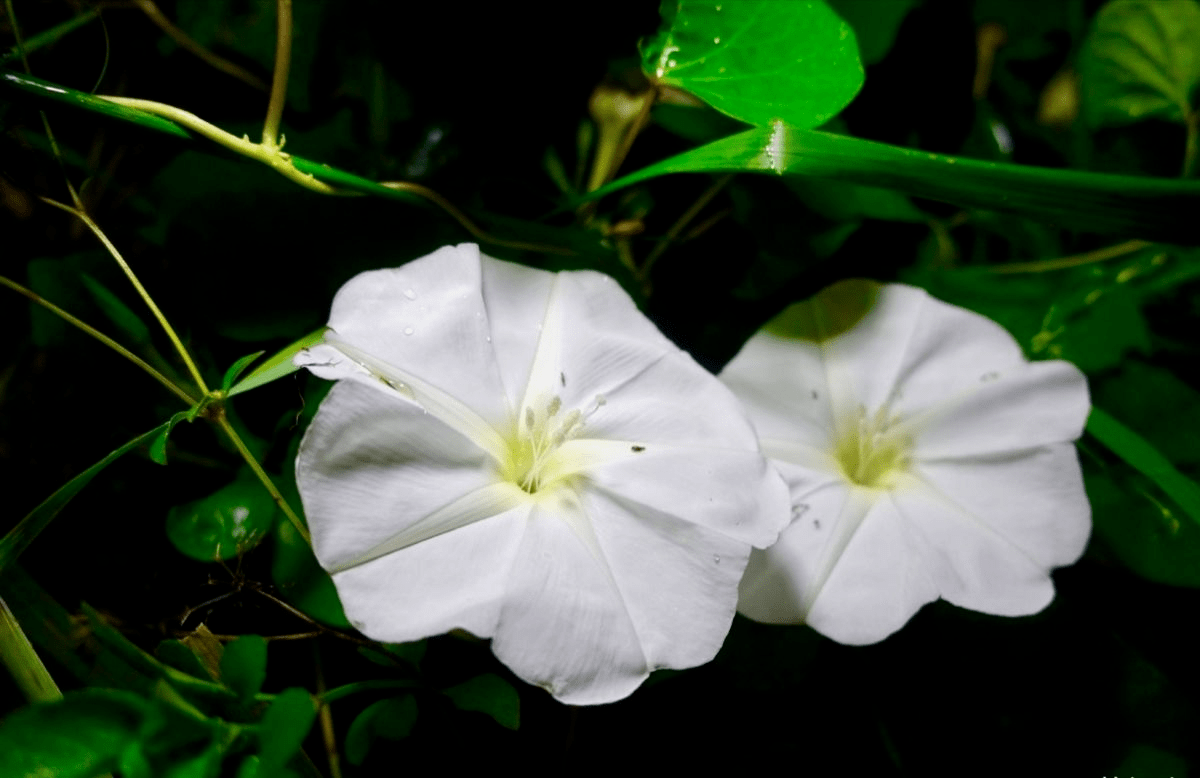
column 1140, row 206
column 1142, row 456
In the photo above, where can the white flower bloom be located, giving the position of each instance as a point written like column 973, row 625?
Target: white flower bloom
column 522, row 455
column 925, row 456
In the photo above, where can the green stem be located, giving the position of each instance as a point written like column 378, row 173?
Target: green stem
column 1075, row 260
column 676, row 228
column 279, row 81
column 239, row 444
column 100, row 336
column 141, row 290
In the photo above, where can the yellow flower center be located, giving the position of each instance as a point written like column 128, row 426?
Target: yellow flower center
column 873, row 450
column 538, row 434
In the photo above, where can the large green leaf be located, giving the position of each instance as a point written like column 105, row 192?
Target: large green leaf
column 1141, row 60
column 391, row 719
column 1150, row 208
column 80, row 736
column 228, row 522
column 757, row 60
column 244, row 665
column 20, row 536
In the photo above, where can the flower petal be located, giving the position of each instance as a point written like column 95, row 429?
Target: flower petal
column 426, row 318
column 1035, row 500
column 588, row 619
column 372, row 465
column 451, row 581
column 972, row 564
column 1036, row 404
column 878, row 583
column 593, row 341
column 516, row 298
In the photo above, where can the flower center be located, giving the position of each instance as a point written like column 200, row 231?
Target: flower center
column 872, row 450
column 541, row 430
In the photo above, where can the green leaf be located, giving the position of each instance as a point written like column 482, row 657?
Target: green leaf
column 228, row 522
column 20, row 536
column 1141, row 60
column 757, row 60
column 392, row 719
column 302, row 581
column 117, row 311
column 79, row 736
column 17, row 654
column 158, row 446
column 236, row 369
column 278, row 365
column 1141, row 531
column 1146, row 459
column 244, row 665
column 283, row 729
column 147, row 665
column 490, row 694
column 179, row 655
column 1150, row 208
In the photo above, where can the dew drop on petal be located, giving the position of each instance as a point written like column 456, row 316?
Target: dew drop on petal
column 717, row 558
column 799, row 510
column 410, row 294
column 408, row 330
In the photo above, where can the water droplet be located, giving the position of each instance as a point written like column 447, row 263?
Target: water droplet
column 408, row 330
column 718, row 8
column 717, row 39
column 488, row 338
column 799, row 510
column 410, row 294
column 671, row 63
column 717, row 558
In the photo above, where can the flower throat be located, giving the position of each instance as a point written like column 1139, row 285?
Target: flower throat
column 872, row 450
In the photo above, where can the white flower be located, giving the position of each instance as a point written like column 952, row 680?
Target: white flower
column 925, row 456
column 522, row 455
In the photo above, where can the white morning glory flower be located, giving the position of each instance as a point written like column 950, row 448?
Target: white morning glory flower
column 925, row 456
column 522, row 455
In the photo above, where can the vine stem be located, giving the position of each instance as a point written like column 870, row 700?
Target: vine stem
column 1190, row 150
column 100, row 336
column 279, row 80
column 188, row 43
column 223, row 422
column 673, row 234
column 141, row 290
column 1075, row 260
column 326, row 717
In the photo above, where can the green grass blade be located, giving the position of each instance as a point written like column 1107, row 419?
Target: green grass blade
column 1139, row 454
column 1150, row 208
column 22, row 661
column 20, row 536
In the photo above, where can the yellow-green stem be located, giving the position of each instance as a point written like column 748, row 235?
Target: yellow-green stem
column 224, row 424
column 279, row 81
column 691, row 213
column 188, row 43
column 1075, row 260
column 100, row 336
column 22, row 661
column 141, row 290
column 326, row 716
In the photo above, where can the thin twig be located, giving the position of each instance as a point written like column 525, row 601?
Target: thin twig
column 190, row 44
column 326, row 716
column 1075, row 260
column 100, row 336
column 239, row 444
column 141, row 290
column 691, row 213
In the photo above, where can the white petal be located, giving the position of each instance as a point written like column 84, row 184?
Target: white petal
column 516, row 298
column 1033, row 499
column 371, row 465
column 593, row 341
column 428, row 318
column 736, row 493
column 782, row 385
column 972, row 564
column 1035, row 404
column 587, row 618
column 451, row 581
column 878, row 583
